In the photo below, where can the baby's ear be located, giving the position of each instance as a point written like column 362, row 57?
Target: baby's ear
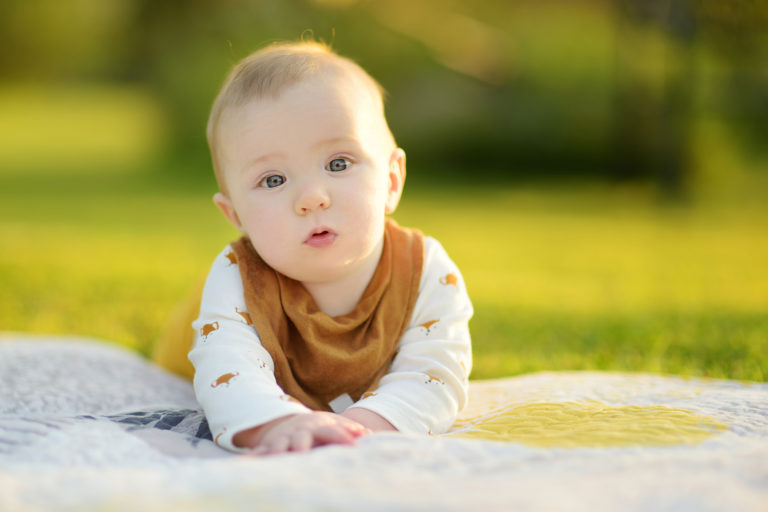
column 396, row 177
column 226, row 207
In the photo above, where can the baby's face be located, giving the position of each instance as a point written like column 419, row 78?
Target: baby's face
column 311, row 175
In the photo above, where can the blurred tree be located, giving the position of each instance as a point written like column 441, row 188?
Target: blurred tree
column 737, row 31
column 657, row 53
column 655, row 85
column 48, row 40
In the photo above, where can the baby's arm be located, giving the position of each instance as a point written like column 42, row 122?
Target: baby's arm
column 235, row 382
column 427, row 384
column 372, row 421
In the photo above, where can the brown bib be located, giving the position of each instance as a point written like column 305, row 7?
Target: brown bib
column 318, row 357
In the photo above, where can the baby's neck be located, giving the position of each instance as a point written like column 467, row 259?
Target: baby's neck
column 337, row 298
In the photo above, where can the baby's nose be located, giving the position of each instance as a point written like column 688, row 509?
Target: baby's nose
column 312, row 198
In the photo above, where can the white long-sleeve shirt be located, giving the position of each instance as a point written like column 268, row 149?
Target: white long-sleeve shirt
column 423, row 391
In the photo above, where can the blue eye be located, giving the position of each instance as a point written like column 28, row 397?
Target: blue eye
column 272, row 181
column 337, row 165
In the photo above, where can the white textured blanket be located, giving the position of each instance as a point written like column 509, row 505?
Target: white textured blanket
column 85, row 425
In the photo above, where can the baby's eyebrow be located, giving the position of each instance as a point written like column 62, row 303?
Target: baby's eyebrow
column 336, row 140
column 264, row 158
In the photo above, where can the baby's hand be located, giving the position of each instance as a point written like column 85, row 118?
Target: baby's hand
column 299, row 433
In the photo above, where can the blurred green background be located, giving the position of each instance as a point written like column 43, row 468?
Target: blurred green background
column 597, row 169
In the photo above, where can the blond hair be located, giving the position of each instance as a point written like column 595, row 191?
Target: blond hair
column 268, row 72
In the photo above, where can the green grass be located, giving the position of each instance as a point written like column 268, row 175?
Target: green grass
column 580, row 277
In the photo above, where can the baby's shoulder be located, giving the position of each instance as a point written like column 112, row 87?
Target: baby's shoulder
column 435, row 253
column 224, row 275
column 438, row 268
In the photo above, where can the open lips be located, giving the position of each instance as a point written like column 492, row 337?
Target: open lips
column 321, row 237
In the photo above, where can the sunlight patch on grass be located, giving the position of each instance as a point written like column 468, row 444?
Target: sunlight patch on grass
column 49, row 128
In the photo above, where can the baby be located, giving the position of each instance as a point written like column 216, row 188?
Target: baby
column 326, row 320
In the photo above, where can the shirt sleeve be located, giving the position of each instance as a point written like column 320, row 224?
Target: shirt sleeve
column 234, row 374
column 428, row 382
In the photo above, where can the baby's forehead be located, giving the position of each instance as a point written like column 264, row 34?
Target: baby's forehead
column 330, row 103
column 345, row 91
column 330, row 80
column 337, row 75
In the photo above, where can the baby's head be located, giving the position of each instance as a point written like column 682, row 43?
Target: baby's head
column 306, row 164
column 266, row 73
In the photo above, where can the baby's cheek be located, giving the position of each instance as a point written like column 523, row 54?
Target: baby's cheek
column 268, row 240
column 369, row 225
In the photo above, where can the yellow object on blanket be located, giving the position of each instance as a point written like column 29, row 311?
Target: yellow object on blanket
column 590, row 425
column 571, row 411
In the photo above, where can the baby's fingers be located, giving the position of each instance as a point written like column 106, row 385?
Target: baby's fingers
column 332, row 434
column 273, row 445
column 353, row 427
column 301, row 441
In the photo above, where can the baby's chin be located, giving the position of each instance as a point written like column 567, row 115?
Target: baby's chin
column 309, row 271
column 319, row 275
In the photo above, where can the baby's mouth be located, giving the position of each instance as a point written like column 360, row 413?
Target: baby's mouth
column 321, row 237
